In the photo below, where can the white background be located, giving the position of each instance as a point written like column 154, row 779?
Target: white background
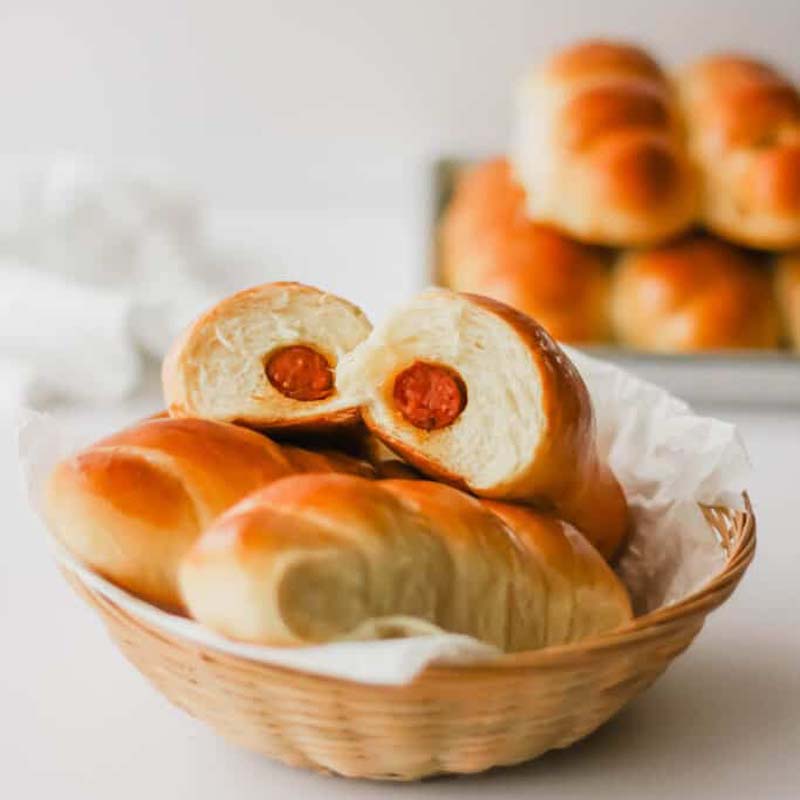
column 307, row 102
column 307, row 126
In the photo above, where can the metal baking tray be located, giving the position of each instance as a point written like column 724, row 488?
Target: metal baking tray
column 753, row 378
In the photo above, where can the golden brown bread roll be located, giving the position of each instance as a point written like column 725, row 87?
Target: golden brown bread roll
column 598, row 147
column 130, row 505
column 787, row 284
column 474, row 393
column 488, row 246
column 698, row 293
column 743, row 121
column 266, row 357
column 303, row 459
column 316, row 558
column 581, row 588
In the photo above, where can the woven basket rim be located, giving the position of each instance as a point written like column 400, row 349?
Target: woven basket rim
column 740, row 549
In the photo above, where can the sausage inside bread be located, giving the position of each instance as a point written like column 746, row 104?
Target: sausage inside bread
column 472, row 392
column 267, row 357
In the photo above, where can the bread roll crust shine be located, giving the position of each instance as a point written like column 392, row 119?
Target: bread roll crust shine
column 696, row 293
column 597, row 59
column 130, row 505
column 527, row 432
column 311, row 558
column 599, row 149
column 488, row 246
column 743, row 123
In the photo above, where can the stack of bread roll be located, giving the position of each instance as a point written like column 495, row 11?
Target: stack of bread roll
column 661, row 212
column 315, row 480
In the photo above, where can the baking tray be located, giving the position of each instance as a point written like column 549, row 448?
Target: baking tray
column 757, row 379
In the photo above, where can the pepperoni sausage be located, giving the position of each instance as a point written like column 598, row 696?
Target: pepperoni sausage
column 429, row 396
column 300, row 372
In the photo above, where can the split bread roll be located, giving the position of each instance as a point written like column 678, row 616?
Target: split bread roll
column 743, row 122
column 266, row 357
column 474, row 393
column 488, row 246
column 317, row 558
column 698, row 293
column 131, row 505
column 787, row 285
column 598, row 147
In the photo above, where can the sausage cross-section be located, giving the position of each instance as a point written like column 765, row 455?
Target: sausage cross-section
column 429, row 396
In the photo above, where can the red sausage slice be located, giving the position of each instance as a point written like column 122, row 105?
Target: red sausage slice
column 300, row 372
column 429, row 396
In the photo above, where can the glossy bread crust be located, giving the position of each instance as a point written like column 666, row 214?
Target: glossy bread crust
column 563, row 469
column 743, row 123
column 598, row 147
column 593, row 59
column 566, row 471
column 697, row 293
column 319, row 558
column 488, row 246
column 130, row 505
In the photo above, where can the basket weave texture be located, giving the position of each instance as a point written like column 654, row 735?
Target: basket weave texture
column 450, row 719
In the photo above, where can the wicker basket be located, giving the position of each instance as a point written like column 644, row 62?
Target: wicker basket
column 450, row 719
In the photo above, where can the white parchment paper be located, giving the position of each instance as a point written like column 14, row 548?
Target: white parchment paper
column 667, row 458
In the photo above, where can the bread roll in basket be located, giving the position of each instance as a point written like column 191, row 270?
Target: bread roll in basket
column 450, row 719
column 266, row 357
column 503, row 705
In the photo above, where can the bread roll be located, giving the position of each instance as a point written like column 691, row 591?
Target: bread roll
column 266, row 357
column 385, row 461
column 302, row 459
column 787, row 283
column 598, row 147
column 743, row 120
column 316, row 558
column 488, row 246
column 130, row 505
column 584, row 596
column 698, row 293
column 472, row 392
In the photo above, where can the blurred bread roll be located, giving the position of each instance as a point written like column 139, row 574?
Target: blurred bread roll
column 743, row 122
column 321, row 558
column 787, row 285
column 598, row 147
column 697, row 293
column 488, row 246
column 266, row 357
column 131, row 505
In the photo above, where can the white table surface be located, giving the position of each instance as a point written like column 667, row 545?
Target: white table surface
column 76, row 721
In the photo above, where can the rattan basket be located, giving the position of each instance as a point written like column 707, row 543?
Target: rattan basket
column 450, row 719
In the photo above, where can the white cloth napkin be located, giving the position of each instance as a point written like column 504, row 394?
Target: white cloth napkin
column 65, row 338
column 101, row 270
